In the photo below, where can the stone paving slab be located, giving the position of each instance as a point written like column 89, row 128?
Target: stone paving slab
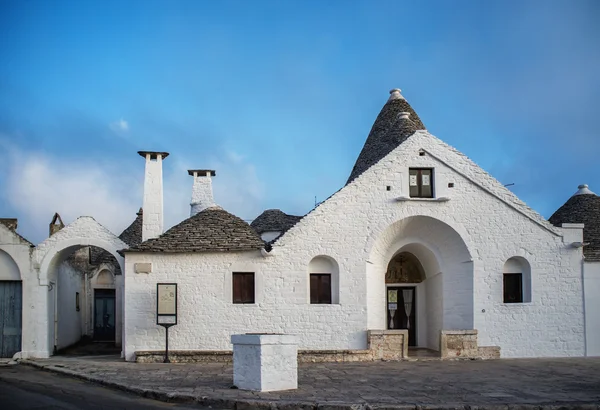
column 495, row 384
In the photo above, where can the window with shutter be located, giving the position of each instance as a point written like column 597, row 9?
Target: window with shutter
column 243, row 287
column 420, row 182
column 320, row 288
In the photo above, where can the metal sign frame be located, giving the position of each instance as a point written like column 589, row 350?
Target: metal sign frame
column 163, row 318
column 166, row 310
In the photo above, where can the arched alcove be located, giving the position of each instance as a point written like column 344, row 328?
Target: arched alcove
column 405, row 268
column 8, row 267
column 323, row 274
column 516, row 280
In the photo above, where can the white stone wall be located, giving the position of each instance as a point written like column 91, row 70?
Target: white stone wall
column 153, row 218
column 465, row 242
column 592, row 307
column 69, row 320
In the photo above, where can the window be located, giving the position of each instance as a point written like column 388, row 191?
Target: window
column 320, row 288
column 421, row 182
column 516, row 280
column 513, row 288
column 243, row 287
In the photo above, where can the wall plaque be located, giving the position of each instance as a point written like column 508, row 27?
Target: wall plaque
column 167, row 299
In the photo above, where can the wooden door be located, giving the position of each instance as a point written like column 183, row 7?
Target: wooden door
column 401, row 311
column 104, row 315
column 11, row 307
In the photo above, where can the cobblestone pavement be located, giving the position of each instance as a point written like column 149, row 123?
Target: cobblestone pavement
column 448, row 384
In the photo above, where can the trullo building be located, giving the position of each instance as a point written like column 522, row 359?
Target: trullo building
column 420, row 248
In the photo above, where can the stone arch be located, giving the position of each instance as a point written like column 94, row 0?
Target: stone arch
column 446, row 292
column 49, row 255
column 9, row 270
column 103, row 278
column 326, row 265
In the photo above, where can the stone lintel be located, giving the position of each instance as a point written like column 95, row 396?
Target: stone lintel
column 202, row 172
column 153, row 154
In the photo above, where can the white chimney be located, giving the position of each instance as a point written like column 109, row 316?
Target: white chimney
column 202, row 193
column 152, row 225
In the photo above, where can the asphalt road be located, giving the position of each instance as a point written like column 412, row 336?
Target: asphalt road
column 23, row 387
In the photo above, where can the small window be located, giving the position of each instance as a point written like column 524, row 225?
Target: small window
column 513, row 288
column 421, row 182
column 320, row 288
column 243, row 287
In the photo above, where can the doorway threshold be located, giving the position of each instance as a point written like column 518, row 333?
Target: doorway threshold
column 422, row 353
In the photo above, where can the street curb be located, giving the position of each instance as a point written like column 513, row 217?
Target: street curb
column 245, row 404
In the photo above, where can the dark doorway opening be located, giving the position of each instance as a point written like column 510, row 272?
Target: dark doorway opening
column 11, row 307
column 104, row 315
column 401, row 311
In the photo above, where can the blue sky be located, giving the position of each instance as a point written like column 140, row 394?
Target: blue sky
column 279, row 97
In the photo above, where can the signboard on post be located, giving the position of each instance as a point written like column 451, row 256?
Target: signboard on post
column 166, row 310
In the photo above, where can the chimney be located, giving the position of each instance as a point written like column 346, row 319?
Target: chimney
column 202, row 193
column 10, row 223
column 152, row 225
column 56, row 224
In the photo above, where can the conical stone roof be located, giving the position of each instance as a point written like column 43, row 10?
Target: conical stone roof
column 391, row 128
column 211, row 230
column 583, row 207
column 274, row 220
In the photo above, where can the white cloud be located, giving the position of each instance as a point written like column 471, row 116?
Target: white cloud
column 119, row 126
column 39, row 184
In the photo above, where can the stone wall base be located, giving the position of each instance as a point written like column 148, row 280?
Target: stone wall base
column 389, row 345
column 463, row 344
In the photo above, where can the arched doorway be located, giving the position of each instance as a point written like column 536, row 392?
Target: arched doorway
column 67, row 288
column 404, row 273
column 11, row 306
column 83, row 300
column 421, row 267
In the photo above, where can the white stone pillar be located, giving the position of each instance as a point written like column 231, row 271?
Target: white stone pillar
column 152, row 225
column 202, row 193
column 265, row 362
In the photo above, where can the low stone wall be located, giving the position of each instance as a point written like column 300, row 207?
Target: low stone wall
column 459, row 344
column 489, row 352
column 184, row 356
column 389, row 345
column 383, row 345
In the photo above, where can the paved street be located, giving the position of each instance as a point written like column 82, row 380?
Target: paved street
column 24, row 387
column 433, row 383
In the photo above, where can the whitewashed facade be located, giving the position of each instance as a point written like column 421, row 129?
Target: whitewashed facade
column 466, row 237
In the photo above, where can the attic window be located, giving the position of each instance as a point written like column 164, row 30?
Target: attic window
column 421, row 182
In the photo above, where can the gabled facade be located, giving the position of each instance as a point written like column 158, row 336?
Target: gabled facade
column 420, row 240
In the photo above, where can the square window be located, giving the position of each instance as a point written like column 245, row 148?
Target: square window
column 243, row 287
column 420, row 182
column 513, row 288
column 320, row 288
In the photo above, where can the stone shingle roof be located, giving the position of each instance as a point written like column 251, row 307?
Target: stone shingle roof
column 132, row 235
column 387, row 133
column 585, row 209
column 274, row 220
column 211, row 230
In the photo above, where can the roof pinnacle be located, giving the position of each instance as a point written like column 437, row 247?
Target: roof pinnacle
column 583, row 190
column 395, row 94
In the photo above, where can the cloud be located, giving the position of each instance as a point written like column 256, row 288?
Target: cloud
column 38, row 184
column 120, row 126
